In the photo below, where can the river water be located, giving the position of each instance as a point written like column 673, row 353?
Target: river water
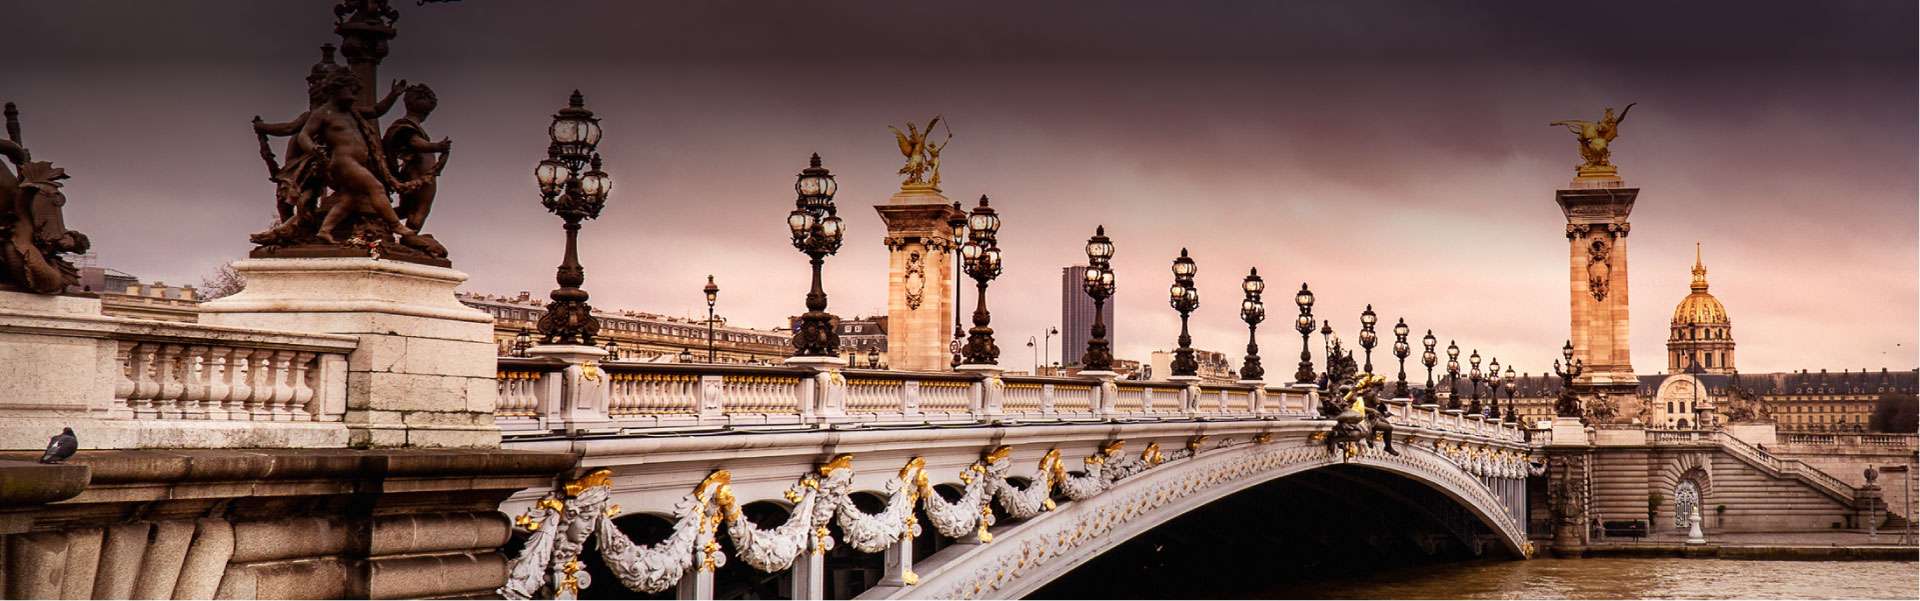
column 1626, row 578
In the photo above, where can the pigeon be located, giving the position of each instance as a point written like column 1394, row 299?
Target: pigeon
column 60, row 447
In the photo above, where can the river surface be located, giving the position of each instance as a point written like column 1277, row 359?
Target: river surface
column 1626, row 578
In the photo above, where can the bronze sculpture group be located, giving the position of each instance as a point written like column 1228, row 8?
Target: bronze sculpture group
column 1355, row 407
column 33, row 229
column 334, row 191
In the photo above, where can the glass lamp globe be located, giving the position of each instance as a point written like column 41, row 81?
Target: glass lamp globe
column 1400, row 329
column 551, row 175
column 1304, row 298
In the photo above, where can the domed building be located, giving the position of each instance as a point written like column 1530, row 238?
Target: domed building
column 1700, row 337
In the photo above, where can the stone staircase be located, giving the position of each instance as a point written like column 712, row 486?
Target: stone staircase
column 1812, row 477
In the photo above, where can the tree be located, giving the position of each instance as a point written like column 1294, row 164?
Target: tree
column 222, row 282
column 1896, row 412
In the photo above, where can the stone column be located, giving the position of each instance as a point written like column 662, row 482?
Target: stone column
column 899, row 564
column 920, row 274
column 1596, row 206
column 423, row 374
column 809, row 576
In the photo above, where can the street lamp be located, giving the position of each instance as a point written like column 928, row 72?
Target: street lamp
column 982, row 254
column 1098, row 286
column 686, row 355
column 1428, row 358
column 1253, row 311
column 1493, row 385
column 817, row 231
column 713, row 295
column 1033, row 345
column 1184, row 298
column 1473, row 377
column 1568, row 404
column 613, row 349
column 1326, row 342
column 575, row 196
column 1304, row 325
column 1453, row 376
column 958, row 227
column 1367, row 337
column 1401, row 349
column 1511, row 385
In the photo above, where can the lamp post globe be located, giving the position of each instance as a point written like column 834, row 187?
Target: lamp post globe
column 817, row 232
column 1493, row 385
column 982, row 258
column 1098, row 285
column 573, row 186
column 1253, row 311
column 1453, row 375
column 1473, row 378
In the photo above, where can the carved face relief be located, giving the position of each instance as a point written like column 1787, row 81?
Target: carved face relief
column 916, row 280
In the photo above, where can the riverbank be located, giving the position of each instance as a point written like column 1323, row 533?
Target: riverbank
column 1786, row 546
column 1616, row 578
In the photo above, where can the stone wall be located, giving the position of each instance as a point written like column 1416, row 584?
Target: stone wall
column 1756, row 501
column 242, row 524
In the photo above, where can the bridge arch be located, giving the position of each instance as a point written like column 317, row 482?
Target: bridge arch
column 1030, row 554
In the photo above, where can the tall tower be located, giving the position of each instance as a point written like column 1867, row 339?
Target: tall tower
column 1596, row 205
column 1076, row 315
column 920, row 268
column 1700, row 334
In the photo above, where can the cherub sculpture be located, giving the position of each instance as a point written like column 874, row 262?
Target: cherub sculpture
column 33, row 229
column 1595, row 138
column 411, row 151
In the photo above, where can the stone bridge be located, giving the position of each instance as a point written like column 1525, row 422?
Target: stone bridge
column 698, row 478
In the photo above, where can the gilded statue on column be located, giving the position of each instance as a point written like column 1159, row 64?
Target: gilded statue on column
column 1596, row 138
column 923, row 155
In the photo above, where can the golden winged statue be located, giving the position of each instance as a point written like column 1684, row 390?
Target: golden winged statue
column 923, row 157
column 1595, row 139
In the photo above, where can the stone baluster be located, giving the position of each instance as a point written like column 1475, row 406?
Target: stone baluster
column 145, row 386
column 303, row 393
column 193, row 372
column 240, row 368
column 218, row 375
column 124, row 386
column 277, row 405
column 172, row 385
column 259, row 378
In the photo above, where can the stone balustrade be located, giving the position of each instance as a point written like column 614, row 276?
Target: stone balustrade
column 1905, row 441
column 540, row 397
column 135, row 383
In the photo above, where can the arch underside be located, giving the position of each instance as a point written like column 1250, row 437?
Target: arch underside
column 1030, row 554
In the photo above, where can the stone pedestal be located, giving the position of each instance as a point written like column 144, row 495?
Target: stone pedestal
column 1568, row 431
column 423, row 374
column 583, row 385
column 51, row 366
column 920, row 274
column 1596, row 206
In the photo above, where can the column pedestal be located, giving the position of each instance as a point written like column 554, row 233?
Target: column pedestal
column 920, row 274
column 423, row 373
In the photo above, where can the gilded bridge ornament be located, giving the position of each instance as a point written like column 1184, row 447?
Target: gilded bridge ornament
column 1596, row 138
column 923, row 156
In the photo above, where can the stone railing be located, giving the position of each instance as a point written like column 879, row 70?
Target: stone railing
column 1905, row 441
column 540, row 397
column 132, row 383
column 1786, row 468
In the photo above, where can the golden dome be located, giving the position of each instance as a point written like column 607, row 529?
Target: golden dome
column 1699, row 308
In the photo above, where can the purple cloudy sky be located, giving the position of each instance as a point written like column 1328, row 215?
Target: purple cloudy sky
column 1395, row 153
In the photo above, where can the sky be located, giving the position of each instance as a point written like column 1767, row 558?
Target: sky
column 1392, row 153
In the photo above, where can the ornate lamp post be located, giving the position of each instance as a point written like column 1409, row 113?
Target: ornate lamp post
column 1400, row 350
column 1493, row 385
column 1512, row 384
column 1326, row 342
column 1099, row 286
column 817, row 231
column 613, row 350
column 1184, row 298
column 1367, row 337
column 958, row 225
column 1253, row 311
column 575, row 196
column 982, row 253
column 1453, row 376
column 1304, row 325
column 1569, row 402
column 1428, row 358
column 1473, row 378
column 713, row 296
